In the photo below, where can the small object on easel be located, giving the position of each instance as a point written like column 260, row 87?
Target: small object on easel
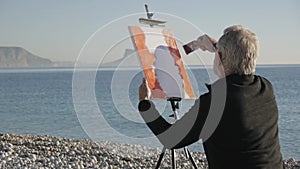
column 149, row 20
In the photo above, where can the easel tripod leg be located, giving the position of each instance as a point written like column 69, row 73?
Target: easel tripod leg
column 191, row 159
column 185, row 152
column 160, row 158
column 173, row 158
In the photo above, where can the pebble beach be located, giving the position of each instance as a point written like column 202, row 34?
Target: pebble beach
column 33, row 151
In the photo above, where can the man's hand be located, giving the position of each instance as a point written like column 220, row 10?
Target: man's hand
column 206, row 43
column 144, row 91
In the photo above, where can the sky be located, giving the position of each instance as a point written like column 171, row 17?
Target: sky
column 60, row 29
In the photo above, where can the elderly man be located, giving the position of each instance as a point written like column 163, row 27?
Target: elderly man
column 237, row 119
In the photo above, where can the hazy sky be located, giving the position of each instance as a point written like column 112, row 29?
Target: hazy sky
column 58, row 29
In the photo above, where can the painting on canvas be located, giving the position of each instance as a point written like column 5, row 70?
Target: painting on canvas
column 161, row 62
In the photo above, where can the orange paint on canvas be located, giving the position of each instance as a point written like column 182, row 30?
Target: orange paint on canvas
column 169, row 38
column 165, row 40
column 147, row 60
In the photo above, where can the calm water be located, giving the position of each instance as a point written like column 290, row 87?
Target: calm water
column 39, row 101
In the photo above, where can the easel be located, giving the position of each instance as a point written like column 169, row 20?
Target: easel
column 173, row 100
column 175, row 105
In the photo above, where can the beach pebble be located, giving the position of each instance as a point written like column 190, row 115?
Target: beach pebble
column 28, row 151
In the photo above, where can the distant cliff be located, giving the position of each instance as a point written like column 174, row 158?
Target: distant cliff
column 128, row 60
column 19, row 57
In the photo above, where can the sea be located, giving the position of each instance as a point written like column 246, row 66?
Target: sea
column 100, row 104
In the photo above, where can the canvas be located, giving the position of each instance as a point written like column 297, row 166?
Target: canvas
column 161, row 62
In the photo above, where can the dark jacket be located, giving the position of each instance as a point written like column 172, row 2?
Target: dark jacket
column 237, row 121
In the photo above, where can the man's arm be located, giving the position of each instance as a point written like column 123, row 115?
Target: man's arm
column 184, row 131
column 153, row 119
column 206, row 42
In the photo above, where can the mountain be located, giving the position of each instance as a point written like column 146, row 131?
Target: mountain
column 19, row 57
column 128, row 60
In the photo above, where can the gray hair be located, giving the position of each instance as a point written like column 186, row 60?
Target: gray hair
column 238, row 48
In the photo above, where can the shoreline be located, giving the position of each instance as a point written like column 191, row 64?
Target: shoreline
column 37, row 151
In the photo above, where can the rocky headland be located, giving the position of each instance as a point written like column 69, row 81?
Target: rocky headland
column 19, row 57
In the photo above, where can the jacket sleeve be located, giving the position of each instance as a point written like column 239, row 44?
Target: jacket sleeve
column 184, row 131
